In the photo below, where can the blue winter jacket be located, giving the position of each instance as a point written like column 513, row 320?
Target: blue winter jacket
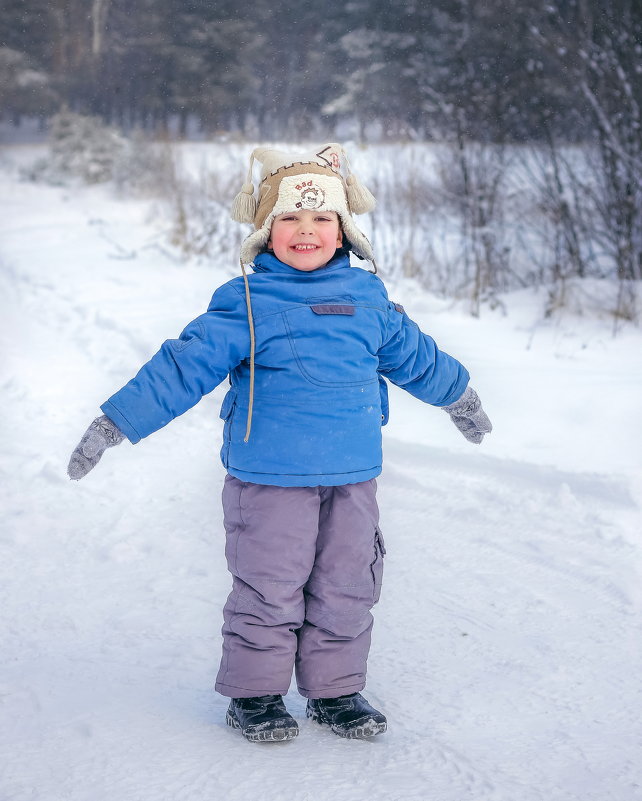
column 324, row 340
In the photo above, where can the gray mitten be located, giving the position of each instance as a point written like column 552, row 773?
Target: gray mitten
column 469, row 417
column 100, row 435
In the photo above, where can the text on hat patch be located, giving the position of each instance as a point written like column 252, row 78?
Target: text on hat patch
column 312, row 196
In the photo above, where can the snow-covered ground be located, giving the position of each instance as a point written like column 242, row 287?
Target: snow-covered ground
column 507, row 652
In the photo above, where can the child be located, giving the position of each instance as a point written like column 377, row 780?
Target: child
column 307, row 342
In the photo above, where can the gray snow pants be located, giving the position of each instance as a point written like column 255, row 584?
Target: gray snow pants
column 307, row 564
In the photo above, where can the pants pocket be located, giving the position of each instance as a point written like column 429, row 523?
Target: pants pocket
column 376, row 566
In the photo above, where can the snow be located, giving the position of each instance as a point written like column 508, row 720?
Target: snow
column 506, row 652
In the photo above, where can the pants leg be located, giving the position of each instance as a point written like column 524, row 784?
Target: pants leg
column 270, row 550
column 344, row 585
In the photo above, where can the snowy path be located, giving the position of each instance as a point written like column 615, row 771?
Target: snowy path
column 507, row 651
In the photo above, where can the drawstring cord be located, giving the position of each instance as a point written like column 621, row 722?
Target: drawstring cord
column 250, row 321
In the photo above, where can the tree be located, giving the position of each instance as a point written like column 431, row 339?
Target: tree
column 598, row 48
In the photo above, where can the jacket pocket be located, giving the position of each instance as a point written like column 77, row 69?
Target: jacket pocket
column 383, row 394
column 331, row 343
column 376, row 566
column 227, row 414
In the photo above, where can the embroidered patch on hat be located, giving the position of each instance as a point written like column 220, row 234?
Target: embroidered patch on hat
column 312, row 196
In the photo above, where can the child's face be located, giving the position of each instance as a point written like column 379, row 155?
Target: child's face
column 305, row 239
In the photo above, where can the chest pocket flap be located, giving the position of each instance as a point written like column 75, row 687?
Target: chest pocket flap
column 332, row 308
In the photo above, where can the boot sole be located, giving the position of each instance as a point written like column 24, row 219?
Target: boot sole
column 265, row 735
column 362, row 731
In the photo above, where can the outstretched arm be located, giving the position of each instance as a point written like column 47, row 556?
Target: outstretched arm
column 171, row 382
column 184, row 369
column 412, row 360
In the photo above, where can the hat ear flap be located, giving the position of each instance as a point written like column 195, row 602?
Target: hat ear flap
column 360, row 198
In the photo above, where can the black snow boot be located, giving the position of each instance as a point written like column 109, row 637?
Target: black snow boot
column 348, row 716
column 262, row 719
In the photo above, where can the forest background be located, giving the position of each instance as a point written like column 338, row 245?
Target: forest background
column 522, row 158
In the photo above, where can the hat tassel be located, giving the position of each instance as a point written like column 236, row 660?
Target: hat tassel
column 244, row 204
column 360, row 198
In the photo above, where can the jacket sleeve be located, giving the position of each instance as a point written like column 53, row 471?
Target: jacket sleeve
column 184, row 369
column 411, row 360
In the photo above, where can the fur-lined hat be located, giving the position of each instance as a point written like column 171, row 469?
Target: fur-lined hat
column 292, row 182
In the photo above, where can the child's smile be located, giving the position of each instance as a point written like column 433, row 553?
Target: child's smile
column 305, row 239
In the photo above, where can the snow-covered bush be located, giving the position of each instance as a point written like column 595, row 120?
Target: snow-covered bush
column 81, row 148
column 440, row 217
column 476, row 220
column 145, row 167
column 197, row 203
column 402, row 178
